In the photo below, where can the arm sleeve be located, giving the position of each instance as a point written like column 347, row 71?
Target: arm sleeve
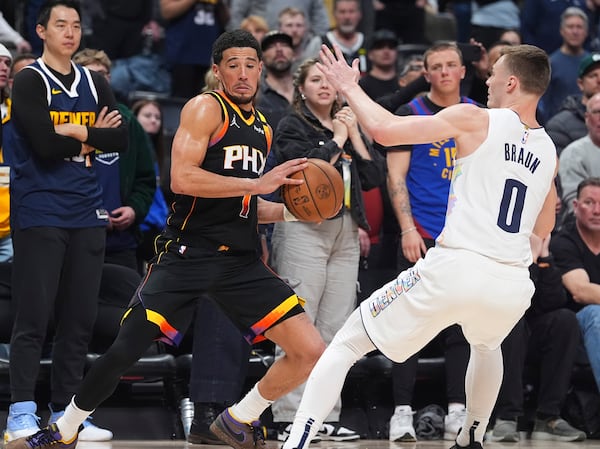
column 32, row 115
column 107, row 139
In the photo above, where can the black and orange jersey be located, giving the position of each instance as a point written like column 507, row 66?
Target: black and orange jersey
column 239, row 150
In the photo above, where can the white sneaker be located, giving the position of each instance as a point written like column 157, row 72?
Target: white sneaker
column 401, row 425
column 335, row 432
column 90, row 432
column 21, row 421
column 453, row 421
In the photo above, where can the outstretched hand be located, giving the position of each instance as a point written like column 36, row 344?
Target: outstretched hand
column 336, row 69
column 279, row 175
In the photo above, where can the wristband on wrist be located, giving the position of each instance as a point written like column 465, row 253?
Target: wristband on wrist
column 287, row 215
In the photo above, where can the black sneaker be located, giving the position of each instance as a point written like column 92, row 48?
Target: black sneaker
column 204, row 416
column 48, row 437
column 472, row 443
column 237, row 434
column 335, row 432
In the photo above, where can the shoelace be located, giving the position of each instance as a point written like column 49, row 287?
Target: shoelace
column 259, row 436
column 42, row 439
column 22, row 418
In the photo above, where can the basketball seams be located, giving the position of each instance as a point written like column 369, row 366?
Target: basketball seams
column 319, row 197
column 331, row 183
column 312, row 197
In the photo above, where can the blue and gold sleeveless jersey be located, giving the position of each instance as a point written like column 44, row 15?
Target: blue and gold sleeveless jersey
column 429, row 175
column 239, row 149
column 60, row 192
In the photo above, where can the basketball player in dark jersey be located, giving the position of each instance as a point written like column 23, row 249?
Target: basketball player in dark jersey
column 210, row 246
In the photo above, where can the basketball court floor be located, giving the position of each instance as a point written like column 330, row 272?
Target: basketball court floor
column 360, row 444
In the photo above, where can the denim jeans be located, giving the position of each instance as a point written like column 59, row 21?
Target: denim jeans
column 589, row 322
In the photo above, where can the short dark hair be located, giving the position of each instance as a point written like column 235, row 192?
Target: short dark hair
column 594, row 181
column 44, row 14
column 232, row 39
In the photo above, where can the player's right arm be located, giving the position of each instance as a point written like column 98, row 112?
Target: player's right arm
column 200, row 121
column 398, row 163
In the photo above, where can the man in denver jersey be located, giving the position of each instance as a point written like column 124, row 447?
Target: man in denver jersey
column 59, row 116
column 210, row 246
column 477, row 275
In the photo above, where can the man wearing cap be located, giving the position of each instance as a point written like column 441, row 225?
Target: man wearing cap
column 277, row 86
column 6, row 250
column 568, row 124
column 383, row 56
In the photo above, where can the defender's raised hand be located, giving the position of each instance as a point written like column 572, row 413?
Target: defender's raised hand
column 336, row 69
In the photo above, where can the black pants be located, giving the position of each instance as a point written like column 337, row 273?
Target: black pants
column 546, row 345
column 456, row 354
column 220, row 357
column 55, row 275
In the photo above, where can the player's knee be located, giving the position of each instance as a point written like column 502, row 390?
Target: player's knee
column 312, row 350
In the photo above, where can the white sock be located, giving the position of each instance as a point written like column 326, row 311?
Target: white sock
column 68, row 424
column 250, row 407
column 455, row 407
column 482, row 384
column 403, row 408
column 326, row 380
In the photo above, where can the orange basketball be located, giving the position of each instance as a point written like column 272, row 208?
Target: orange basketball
column 320, row 196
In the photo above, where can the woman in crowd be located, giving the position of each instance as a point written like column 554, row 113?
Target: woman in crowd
column 322, row 258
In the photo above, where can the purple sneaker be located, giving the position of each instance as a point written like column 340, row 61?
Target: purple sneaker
column 48, row 437
column 237, row 434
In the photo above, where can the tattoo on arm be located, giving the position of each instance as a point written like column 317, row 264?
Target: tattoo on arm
column 400, row 199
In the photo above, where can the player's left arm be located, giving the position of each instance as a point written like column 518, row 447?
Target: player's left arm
column 546, row 219
column 388, row 129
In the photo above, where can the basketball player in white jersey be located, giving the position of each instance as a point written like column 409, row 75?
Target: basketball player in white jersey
column 477, row 275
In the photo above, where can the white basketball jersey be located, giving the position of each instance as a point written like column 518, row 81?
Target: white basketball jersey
column 498, row 191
